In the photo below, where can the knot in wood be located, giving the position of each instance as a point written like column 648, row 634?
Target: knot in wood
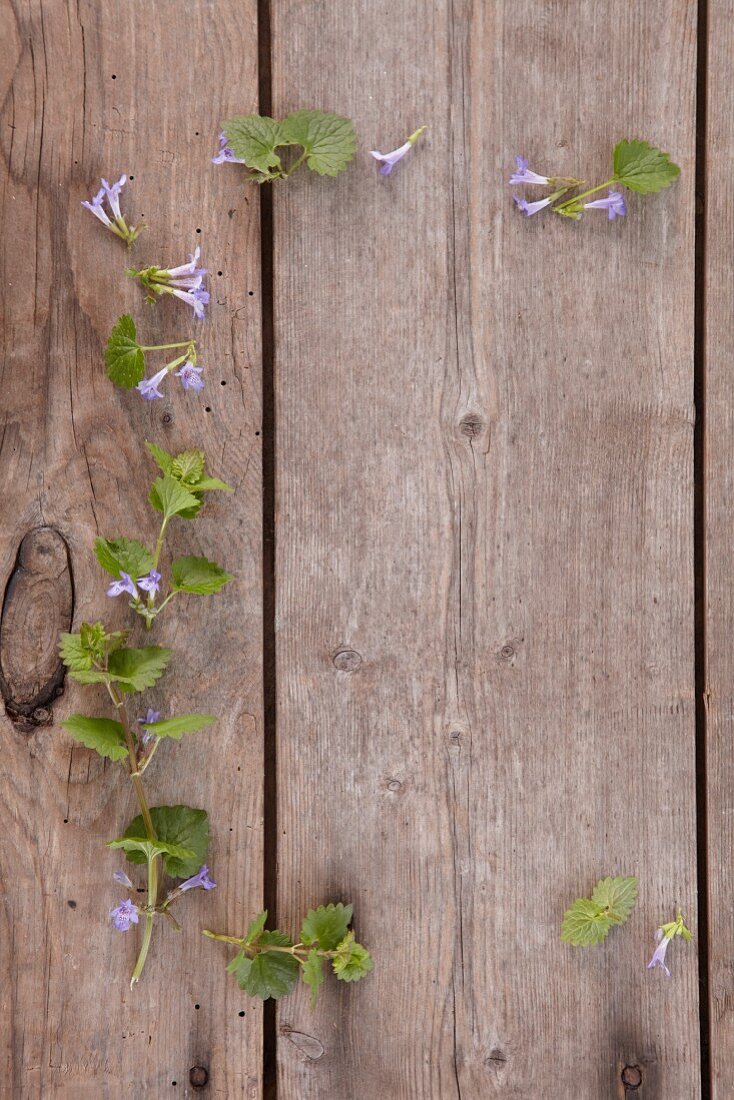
column 631, row 1078
column 471, row 425
column 347, row 660
column 198, row 1077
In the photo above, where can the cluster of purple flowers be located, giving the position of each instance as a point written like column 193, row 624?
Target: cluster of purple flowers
column 128, row 913
column 386, row 161
column 184, row 282
column 110, row 192
column 614, row 202
column 149, row 583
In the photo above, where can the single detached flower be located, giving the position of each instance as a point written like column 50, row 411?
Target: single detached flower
column 125, row 914
column 530, row 208
column 191, row 376
column 121, row 877
column 116, row 224
column 125, row 584
column 149, row 386
column 664, row 934
column 614, row 203
column 225, row 154
column 151, row 582
column 201, row 878
column 523, row 174
column 184, row 282
column 387, row 161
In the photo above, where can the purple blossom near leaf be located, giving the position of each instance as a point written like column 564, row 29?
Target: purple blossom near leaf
column 96, row 207
column 387, row 161
column 530, row 208
column 201, row 878
column 523, row 174
column 225, row 154
column 121, row 877
column 125, row 914
column 658, row 958
column 614, row 203
column 151, row 582
column 125, row 584
column 149, row 386
column 190, row 377
column 151, row 717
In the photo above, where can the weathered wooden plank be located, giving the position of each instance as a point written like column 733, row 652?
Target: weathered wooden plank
column 484, row 494
column 91, row 90
column 719, row 494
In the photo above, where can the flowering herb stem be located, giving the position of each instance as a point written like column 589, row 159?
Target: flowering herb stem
column 119, row 705
column 167, row 347
column 149, row 917
column 585, row 194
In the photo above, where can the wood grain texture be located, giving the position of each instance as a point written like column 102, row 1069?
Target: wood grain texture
column 719, row 519
column 484, row 490
column 88, row 90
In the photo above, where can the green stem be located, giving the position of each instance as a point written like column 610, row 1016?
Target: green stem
column 585, row 194
column 149, row 918
column 222, row 938
column 165, row 347
column 296, row 163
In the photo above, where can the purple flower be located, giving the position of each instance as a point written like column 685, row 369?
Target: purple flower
column 196, row 298
column 125, row 914
column 658, row 958
column 189, row 375
column 151, row 582
column 201, row 878
column 530, row 208
column 117, row 224
column 184, row 281
column 186, row 275
column 112, row 192
column 125, row 584
column 149, row 386
column 387, row 161
column 523, row 174
column 151, row 717
column 121, row 877
column 614, row 203
column 96, row 207
column 225, row 154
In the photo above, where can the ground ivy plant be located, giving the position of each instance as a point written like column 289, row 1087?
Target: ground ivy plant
column 637, row 166
column 170, row 839
column 589, row 920
column 327, row 143
column 269, row 964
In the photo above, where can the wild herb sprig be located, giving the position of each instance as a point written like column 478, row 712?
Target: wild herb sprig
column 327, row 143
column 589, row 920
column 269, row 964
column 173, row 839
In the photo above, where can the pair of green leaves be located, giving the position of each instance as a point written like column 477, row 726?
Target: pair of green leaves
column 328, row 142
column 131, row 669
column 643, row 168
column 180, row 490
column 182, row 838
column 107, row 737
column 589, row 920
column 324, row 937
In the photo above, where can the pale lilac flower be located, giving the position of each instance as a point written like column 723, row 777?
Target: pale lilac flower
column 117, row 224
column 151, row 582
column 186, row 275
column 225, row 154
column 121, row 877
column 201, row 878
column 614, row 203
column 523, row 174
column 190, row 377
column 196, row 298
column 112, row 191
column 387, row 161
column 125, row 914
column 530, row 208
column 184, row 281
column 125, row 584
column 658, row 958
column 96, row 207
column 151, row 717
column 149, row 386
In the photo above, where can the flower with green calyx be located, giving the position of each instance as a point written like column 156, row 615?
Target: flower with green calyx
column 589, row 920
column 116, row 223
column 387, row 161
column 268, row 964
column 327, row 143
column 178, row 493
column 125, row 361
column 637, row 165
column 663, row 937
column 184, row 282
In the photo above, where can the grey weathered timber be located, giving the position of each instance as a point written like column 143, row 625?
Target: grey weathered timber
column 485, row 628
column 90, row 90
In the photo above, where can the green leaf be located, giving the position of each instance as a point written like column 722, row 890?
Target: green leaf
column 254, row 139
column 642, row 167
column 138, row 669
column 74, row 655
column 172, row 498
column 256, row 927
column 198, row 575
column 188, row 467
column 616, row 896
column 124, row 358
column 163, row 459
column 584, row 924
column 176, row 727
column 80, row 652
column 270, row 973
column 184, row 830
column 102, row 734
column 207, row 484
column 313, row 974
column 352, row 961
column 123, row 556
column 327, row 926
column 328, row 140
column 141, row 847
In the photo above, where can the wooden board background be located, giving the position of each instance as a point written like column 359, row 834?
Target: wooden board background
column 484, row 521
